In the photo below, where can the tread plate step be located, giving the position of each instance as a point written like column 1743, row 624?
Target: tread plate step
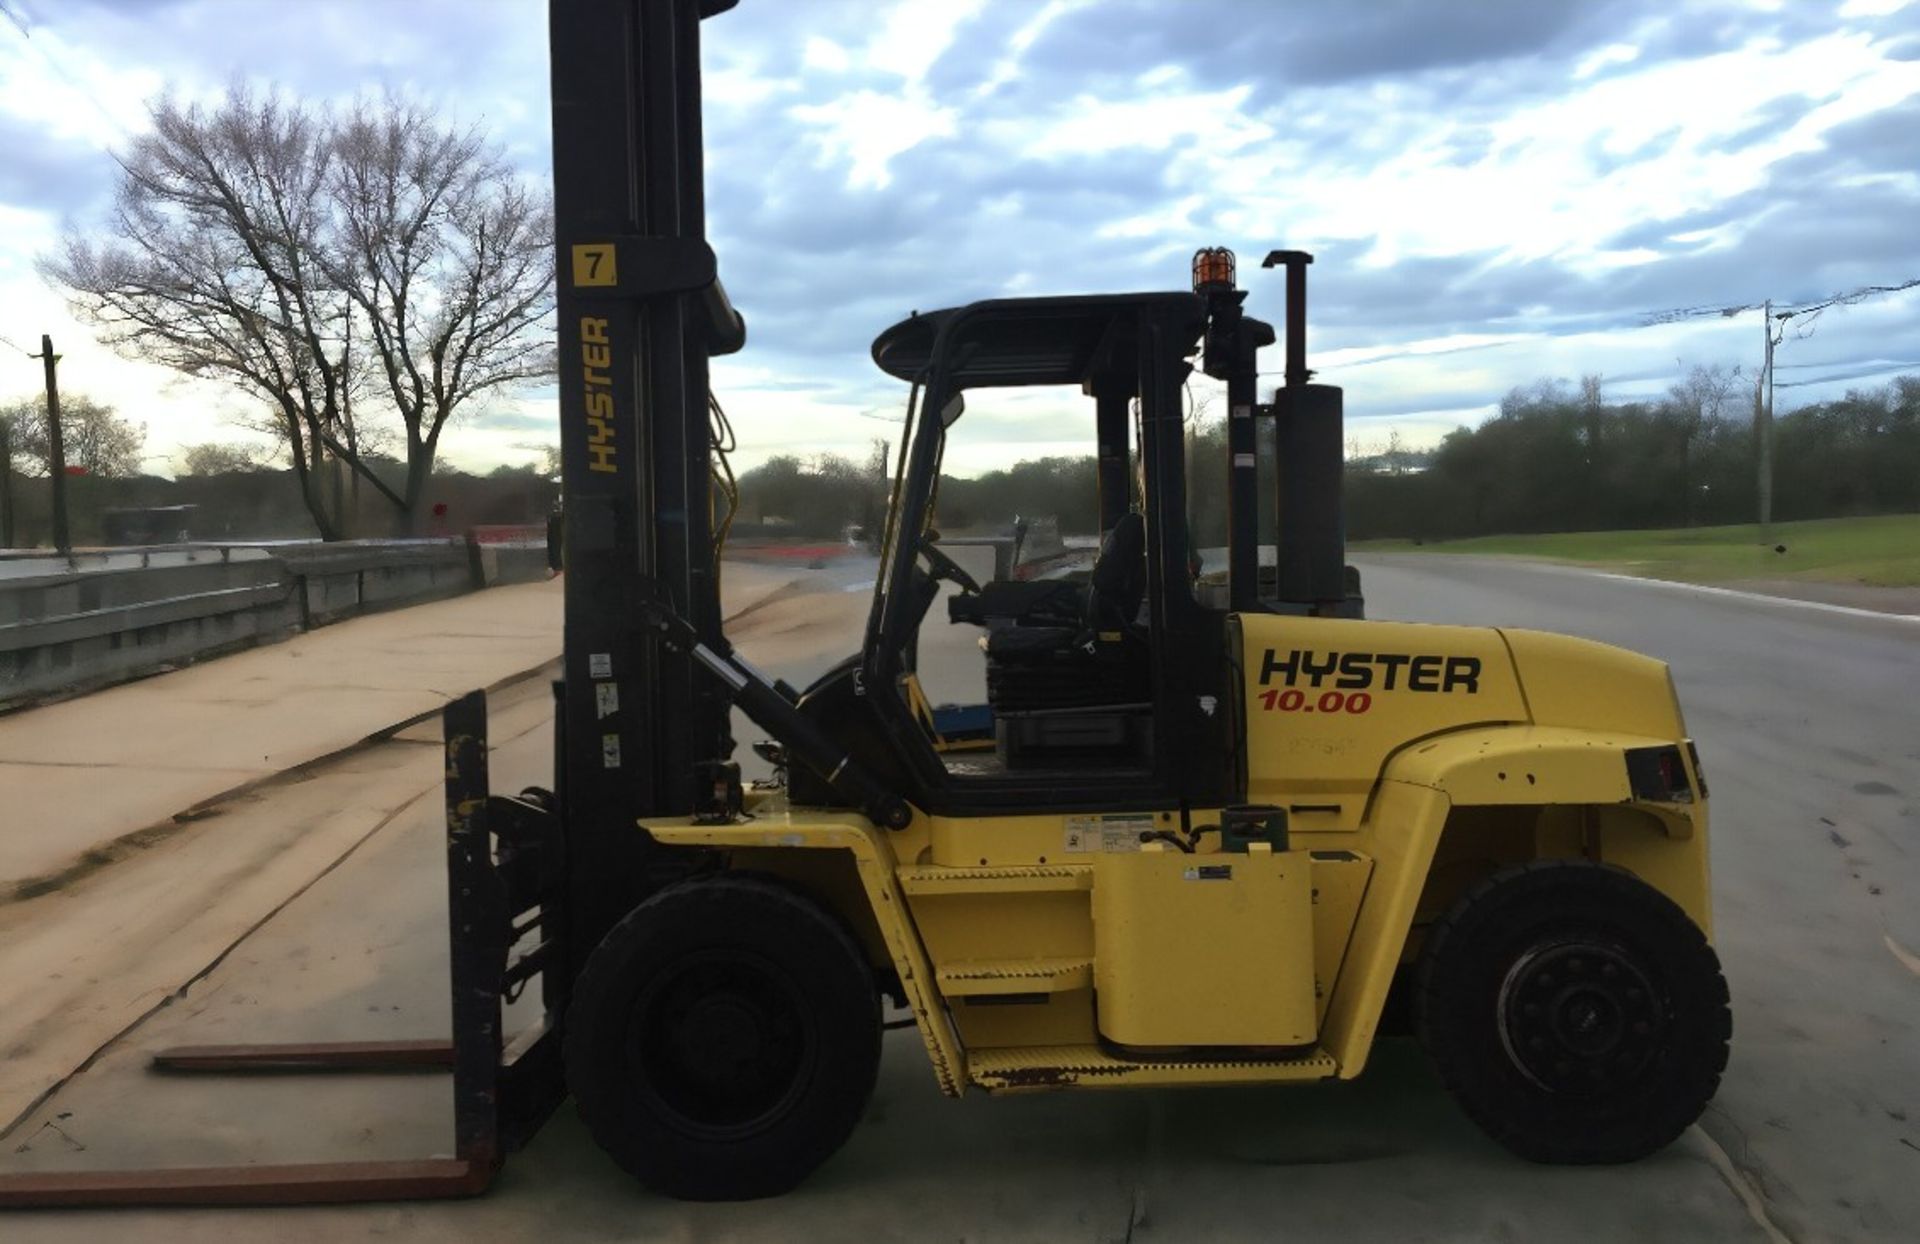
column 1001, row 879
column 1015, row 976
column 1066, row 1066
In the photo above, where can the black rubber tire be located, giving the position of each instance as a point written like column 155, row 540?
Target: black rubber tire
column 1494, row 950
column 620, row 1045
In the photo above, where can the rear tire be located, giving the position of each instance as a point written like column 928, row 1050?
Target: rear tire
column 723, row 1039
column 1574, row 1012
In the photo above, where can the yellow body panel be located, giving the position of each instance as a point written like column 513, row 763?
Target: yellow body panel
column 1401, row 830
column 1029, row 946
column 1238, row 924
column 1530, row 723
column 1533, row 765
column 1327, row 700
column 1339, row 883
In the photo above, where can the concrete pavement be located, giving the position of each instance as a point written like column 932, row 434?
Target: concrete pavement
column 1804, row 721
column 149, row 827
column 81, row 773
column 90, row 780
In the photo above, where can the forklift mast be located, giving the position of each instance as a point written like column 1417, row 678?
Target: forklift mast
column 641, row 311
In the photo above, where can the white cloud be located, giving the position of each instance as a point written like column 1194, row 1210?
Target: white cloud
column 825, row 54
column 1121, row 156
column 1213, row 120
column 1171, row 218
column 1008, row 67
column 916, row 33
column 1556, row 176
column 867, row 129
column 52, row 82
column 1612, row 54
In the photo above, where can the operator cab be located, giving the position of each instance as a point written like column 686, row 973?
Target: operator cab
column 1074, row 671
column 1069, row 665
column 1112, row 692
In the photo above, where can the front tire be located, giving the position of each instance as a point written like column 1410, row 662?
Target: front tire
column 723, row 1039
column 1574, row 1012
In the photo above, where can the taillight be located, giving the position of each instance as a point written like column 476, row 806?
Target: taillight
column 1657, row 774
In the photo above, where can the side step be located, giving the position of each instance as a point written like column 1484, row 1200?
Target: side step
column 1014, row 976
column 1090, row 1066
column 505, row 884
column 1002, row 879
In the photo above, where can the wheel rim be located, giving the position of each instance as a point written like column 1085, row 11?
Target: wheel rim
column 721, row 1043
column 1581, row 1018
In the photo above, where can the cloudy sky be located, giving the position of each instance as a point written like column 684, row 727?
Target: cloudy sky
column 1495, row 190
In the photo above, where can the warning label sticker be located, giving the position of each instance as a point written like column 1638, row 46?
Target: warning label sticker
column 1119, row 831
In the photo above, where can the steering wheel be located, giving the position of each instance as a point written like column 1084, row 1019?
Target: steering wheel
column 945, row 567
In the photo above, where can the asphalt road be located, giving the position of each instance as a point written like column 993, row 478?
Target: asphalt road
column 1806, row 729
column 1808, row 723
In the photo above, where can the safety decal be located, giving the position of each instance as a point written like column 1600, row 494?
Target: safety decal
column 1107, row 832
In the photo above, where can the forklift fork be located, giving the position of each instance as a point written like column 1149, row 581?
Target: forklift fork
column 505, row 880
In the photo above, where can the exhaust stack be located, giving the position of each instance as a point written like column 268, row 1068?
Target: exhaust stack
column 1309, row 446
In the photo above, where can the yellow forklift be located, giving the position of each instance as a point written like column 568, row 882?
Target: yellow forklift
column 1202, row 828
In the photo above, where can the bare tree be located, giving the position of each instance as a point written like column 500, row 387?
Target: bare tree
column 209, row 266
column 1696, row 406
column 220, row 458
column 448, row 260
column 96, row 438
column 338, row 265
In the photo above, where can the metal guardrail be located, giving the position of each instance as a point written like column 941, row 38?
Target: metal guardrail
column 72, row 627
column 71, row 624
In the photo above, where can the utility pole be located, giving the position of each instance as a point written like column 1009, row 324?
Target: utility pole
column 1763, row 388
column 1763, row 424
column 56, row 451
column 6, row 484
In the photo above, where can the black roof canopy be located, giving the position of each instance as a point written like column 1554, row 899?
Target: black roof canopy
column 1032, row 341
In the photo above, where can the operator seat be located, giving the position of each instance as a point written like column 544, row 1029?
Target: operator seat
column 1119, row 580
column 1058, row 690
column 1110, row 604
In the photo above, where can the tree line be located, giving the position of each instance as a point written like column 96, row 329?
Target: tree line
column 234, row 496
column 1559, row 458
column 822, row 496
column 1555, row 457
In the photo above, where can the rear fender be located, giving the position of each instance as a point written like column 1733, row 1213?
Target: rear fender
column 1498, row 766
column 1533, row 765
column 1585, row 773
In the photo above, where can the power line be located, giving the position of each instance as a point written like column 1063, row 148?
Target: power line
column 12, row 10
column 1810, row 310
column 10, row 342
column 1785, row 312
column 1883, row 369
